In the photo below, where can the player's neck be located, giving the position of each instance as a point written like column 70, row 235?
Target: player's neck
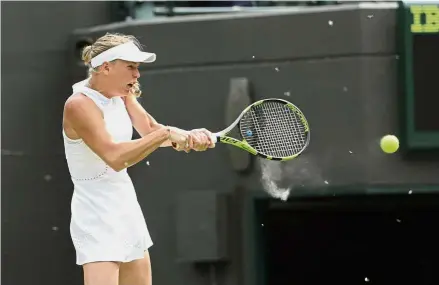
column 99, row 86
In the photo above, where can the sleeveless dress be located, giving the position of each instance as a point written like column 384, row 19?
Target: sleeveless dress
column 107, row 223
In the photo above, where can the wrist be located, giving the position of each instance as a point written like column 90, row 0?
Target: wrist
column 167, row 132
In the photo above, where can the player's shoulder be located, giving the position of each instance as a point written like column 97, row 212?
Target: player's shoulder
column 77, row 103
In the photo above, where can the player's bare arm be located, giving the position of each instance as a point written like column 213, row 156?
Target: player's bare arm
column 144, row 123
column 85, row 118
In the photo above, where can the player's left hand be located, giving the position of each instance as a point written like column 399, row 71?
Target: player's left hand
column 202, row 139
column 198, row 140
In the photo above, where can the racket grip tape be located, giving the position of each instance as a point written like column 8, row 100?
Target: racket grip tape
column 214, row 138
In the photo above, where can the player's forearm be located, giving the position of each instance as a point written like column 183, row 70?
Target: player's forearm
column 166, row 143
column 155, row 126
column 143, row 122
column 147, row 152
column 130, row 153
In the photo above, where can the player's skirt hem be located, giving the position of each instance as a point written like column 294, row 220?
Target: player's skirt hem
column 135, row 254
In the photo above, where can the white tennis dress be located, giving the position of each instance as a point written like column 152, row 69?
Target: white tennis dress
column 107, row 223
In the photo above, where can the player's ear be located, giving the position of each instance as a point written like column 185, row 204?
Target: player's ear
column 105, row 68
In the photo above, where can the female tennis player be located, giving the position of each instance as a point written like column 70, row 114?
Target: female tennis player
column 107, row 226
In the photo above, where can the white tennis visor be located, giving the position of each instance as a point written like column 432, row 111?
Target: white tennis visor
column 127, row 51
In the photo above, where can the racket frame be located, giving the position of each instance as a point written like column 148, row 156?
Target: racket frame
column 222, row 135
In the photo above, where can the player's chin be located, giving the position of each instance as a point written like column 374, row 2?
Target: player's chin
column 126, row 92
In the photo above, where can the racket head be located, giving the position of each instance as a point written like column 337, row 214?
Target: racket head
column 274, row 129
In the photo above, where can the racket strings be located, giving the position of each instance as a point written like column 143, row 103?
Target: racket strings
column 274, row 129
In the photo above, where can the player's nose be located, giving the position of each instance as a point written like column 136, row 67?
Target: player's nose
column 136, row 73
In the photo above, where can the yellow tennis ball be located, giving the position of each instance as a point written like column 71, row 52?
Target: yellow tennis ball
column 389, row 143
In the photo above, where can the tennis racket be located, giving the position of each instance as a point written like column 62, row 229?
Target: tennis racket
column 272, row 128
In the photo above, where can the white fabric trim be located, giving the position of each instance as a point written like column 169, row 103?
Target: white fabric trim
column 127, row 51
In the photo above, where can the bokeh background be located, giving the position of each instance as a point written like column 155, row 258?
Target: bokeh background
column 354, row 215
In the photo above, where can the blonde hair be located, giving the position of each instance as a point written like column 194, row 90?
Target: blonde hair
column 104, row 43
column 135, row 90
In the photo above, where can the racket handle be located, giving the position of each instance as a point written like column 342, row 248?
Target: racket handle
column 214, row 138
